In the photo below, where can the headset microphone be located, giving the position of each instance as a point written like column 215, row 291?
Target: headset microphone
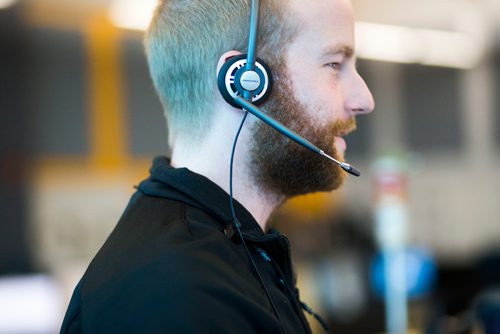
column 290, row 134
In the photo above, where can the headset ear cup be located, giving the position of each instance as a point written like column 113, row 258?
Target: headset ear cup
column 233, row 69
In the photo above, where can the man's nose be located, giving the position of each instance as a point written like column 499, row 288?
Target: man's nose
column 360, row 99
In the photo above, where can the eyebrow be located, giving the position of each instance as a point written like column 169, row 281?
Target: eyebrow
column 343, row 49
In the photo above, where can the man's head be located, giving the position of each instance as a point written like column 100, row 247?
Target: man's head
column 184, row 43
column 309, row 46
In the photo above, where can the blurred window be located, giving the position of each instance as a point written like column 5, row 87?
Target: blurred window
column 432, row 107
column 58, row 91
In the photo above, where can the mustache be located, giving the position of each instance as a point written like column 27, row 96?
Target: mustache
column 342, row 127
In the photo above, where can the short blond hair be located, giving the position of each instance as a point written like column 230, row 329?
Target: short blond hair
column 184, row 42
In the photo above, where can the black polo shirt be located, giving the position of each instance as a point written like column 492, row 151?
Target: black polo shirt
column 173, row 265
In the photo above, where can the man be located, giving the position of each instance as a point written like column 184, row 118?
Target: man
column 174, row 264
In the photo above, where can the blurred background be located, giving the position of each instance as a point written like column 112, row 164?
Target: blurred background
column 411, row 246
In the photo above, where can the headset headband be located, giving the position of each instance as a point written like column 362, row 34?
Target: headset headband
column 252, row 42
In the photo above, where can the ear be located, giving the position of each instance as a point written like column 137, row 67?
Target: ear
column 225, row 57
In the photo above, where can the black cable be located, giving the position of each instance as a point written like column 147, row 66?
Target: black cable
column 237, row 224
column 309, row 310
column 295, row 295
column 235, row 221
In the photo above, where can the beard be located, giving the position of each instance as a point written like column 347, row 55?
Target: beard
column 285, row 168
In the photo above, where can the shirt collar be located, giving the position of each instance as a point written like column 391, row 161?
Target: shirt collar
column 201, row 190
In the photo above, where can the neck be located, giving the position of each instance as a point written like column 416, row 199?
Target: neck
column 211, row 158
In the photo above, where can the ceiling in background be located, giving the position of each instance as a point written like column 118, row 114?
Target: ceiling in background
column 452, row 33
column 433, row 14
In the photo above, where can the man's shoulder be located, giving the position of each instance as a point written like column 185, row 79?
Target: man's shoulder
column 167, row 236
column 176, row 267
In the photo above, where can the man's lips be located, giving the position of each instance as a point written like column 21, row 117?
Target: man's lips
column 340, row 144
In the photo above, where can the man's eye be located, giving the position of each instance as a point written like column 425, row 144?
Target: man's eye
column 335, row 66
